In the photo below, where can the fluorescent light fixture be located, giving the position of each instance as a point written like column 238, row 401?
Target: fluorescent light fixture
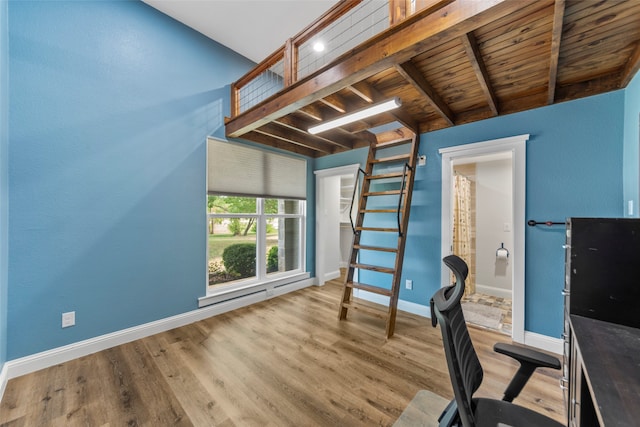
column 357, row 115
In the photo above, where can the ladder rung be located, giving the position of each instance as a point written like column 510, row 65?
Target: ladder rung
column 372, row 311
column 378, row 210
column 383, row 193
column 370, row 288
column 384, row 230
column 375, row 248
column 390, row 159
column 374, row 268
column 394, row 143
column 385, row 175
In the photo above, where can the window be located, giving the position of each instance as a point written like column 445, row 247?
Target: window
column 256, row 209
column 251, row 240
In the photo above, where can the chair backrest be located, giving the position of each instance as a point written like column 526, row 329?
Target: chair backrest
column 464, row 367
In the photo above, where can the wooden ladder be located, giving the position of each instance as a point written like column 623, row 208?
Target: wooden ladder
column 385, row 198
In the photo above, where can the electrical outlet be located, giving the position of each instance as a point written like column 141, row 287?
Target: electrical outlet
column 408, row 284
column 68, row 319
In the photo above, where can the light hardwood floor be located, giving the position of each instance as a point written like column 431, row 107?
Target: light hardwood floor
column 286, row 361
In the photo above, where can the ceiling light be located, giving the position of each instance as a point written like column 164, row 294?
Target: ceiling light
column 318, row 46
column 357, row 115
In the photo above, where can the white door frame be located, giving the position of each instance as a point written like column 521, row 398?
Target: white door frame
column 320, row 226
column 517, row 145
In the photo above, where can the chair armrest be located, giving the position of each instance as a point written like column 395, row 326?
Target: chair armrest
column 527, row 355
column 529, row 360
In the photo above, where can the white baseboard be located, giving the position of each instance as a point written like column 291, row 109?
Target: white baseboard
column 4, row 378
column 409, row 307
column 24, row 365
column 492, row 290
column 332, row 275
column 531, row 339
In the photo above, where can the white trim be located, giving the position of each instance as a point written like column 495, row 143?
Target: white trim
column 320, row 226
column 517, row 146
column 340, row 170
column 492, row 290
column 45, row 359
column 331, row 275
column 4, row 379
column 409, row 307
column 236, row 291
column 543, row 342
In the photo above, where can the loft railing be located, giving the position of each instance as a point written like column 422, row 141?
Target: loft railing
column 343, row 27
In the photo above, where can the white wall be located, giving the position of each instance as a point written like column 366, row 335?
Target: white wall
column 493, row 218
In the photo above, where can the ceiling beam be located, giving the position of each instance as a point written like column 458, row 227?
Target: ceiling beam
column 313, row 112
column 344, row 140
column 336, row 102
column 296, row 137
column 276, row 143
column 475, row 57
column 556, row 36
column 372, row 96
column 398, row 44
column 363, row 90
column 412, row 74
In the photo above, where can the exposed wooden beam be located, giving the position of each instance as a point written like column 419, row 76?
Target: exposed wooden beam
column 344, row 140
column 372, row 95
column 556, row 36
column 412, row 74
column 312, row 112
column 399, row 44
column 475, row 57
column 336, row 102
column 291, row 136
column 632, row 67
column 363, row 90
column 276, row 143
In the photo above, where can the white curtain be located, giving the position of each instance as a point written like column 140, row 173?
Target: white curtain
column 462, row 225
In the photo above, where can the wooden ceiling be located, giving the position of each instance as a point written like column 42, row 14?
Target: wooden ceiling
column 456, row 62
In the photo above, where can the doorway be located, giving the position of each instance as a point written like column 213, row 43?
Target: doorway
column 481, row 235
column 484, row 224
column 334, row 236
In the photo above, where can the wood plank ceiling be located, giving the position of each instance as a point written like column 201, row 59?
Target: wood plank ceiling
column 463, row 62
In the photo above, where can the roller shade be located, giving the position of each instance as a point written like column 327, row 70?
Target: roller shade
column 238, row 170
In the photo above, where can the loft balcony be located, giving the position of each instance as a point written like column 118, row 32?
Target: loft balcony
column 449, row 61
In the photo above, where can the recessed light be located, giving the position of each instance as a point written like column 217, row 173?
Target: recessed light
column 318, row 46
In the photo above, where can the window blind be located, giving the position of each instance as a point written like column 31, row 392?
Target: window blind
column 239, row 170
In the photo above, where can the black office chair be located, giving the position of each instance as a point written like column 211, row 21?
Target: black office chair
column 465, row 370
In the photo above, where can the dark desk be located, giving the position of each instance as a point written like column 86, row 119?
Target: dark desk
column 609, row 355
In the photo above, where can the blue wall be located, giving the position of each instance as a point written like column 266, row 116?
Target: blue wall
column 574, row 168
column 110, row 105
column 632, row 146
column 4, row 188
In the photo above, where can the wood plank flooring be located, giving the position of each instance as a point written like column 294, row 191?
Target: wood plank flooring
column 283, row 362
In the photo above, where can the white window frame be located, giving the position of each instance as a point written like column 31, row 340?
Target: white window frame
column 261, row 281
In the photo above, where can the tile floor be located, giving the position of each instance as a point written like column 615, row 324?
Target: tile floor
column 504, row 304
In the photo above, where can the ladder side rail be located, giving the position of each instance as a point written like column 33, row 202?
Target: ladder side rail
column 402, row 188
column 353, row 197
column 348, row 291
column 395, row 286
